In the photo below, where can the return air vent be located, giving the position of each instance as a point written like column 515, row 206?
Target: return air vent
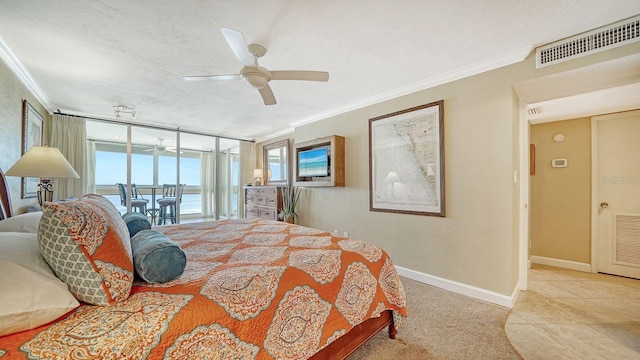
column 627, row 239
column 605, row 38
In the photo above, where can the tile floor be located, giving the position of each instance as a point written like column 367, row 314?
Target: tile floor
column 569, row 314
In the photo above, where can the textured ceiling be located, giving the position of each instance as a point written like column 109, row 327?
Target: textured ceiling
column 87, row 56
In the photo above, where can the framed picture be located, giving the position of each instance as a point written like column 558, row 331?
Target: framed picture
column 32, row 123
column 406, row 161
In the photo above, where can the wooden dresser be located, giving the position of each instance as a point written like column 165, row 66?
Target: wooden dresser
column 262, row 202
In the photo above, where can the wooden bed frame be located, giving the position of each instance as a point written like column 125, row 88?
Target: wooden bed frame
column 360, row 334
column 339, row 349
column 5, row 200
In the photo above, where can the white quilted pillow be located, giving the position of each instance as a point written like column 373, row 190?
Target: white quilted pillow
column 27, row 222
column 31, row 295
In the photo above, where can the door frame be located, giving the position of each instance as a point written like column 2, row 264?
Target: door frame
column 595, row 183
column 594, row 193
column 605, row 76
column 524, row 242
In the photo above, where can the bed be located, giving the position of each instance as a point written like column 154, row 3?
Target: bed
column 250, row 289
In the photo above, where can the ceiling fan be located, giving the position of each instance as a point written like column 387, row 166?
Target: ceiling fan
column 161, row 148
column 254, row 74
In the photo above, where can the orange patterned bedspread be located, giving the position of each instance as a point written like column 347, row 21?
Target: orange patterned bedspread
column 252, row 289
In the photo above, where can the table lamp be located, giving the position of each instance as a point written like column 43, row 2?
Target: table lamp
column 257, row 173
column 45, row 163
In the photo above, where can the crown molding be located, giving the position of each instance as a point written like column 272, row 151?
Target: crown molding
column 286, row 131
column 461, row 73
column 23, row 74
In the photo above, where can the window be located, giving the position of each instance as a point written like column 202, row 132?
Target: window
column 153, row 162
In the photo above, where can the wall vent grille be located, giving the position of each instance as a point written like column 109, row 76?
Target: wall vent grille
column 627, row 240
column 605, row 38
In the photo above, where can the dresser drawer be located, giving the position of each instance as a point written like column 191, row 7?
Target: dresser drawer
column 272, row 201
column 267, row 213
column 260, row 200
column 252, row 212
column 272, row 191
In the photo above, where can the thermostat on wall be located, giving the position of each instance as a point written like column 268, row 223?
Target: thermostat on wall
column 559, row 163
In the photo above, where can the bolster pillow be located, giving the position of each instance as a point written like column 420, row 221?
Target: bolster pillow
column 135, row 222
column 156, row 258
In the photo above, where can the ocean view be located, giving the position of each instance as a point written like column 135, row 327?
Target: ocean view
column 111, row 169
column 191, row 204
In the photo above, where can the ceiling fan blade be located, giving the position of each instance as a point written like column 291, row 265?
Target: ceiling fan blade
column 267, row 95
column 239, row 46
column 300, row 75
column 212, row 77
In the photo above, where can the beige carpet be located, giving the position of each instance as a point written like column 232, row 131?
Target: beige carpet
column 443, row 325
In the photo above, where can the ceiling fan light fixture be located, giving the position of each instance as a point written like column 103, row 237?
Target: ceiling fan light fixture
column 117, row 109
column 255, row 77
column 160, row 147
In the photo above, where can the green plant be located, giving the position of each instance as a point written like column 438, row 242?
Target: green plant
column 290, row 198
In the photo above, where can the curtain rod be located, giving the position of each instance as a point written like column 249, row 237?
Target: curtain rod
column 155, row 127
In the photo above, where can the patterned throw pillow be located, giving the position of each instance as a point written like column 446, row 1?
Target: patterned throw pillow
column 87, row 245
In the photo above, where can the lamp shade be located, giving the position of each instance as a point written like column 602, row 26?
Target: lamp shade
column 42, row 162
column 257, row 173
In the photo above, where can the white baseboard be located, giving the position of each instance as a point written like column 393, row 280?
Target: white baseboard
column 460, row 288
column 565, row 264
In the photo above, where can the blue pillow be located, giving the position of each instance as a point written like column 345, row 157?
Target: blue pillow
column 135, row 222
column 156, row 258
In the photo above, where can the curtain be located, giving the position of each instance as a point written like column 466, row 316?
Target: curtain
column 207, row 172
column 69, row 135
column 247, row 164
column 91, row 166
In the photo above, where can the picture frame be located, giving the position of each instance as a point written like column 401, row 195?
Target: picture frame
column 406, row 161
column 32, row 124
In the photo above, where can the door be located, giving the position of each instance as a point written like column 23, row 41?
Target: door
column 617, row 193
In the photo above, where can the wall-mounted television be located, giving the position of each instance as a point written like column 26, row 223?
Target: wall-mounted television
column 313, row 162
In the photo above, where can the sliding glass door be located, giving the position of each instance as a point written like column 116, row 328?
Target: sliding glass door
column 154, row 160
column 110, row 159
column 205, row 168
column 197, row 171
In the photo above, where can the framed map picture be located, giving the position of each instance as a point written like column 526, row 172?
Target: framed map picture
column 31, row 136
column 406, row 161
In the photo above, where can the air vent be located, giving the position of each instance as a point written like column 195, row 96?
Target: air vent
column 627, row 240
column 605, row 38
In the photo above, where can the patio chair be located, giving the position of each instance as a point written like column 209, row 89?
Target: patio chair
column 167, row 204
column 137, row 201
